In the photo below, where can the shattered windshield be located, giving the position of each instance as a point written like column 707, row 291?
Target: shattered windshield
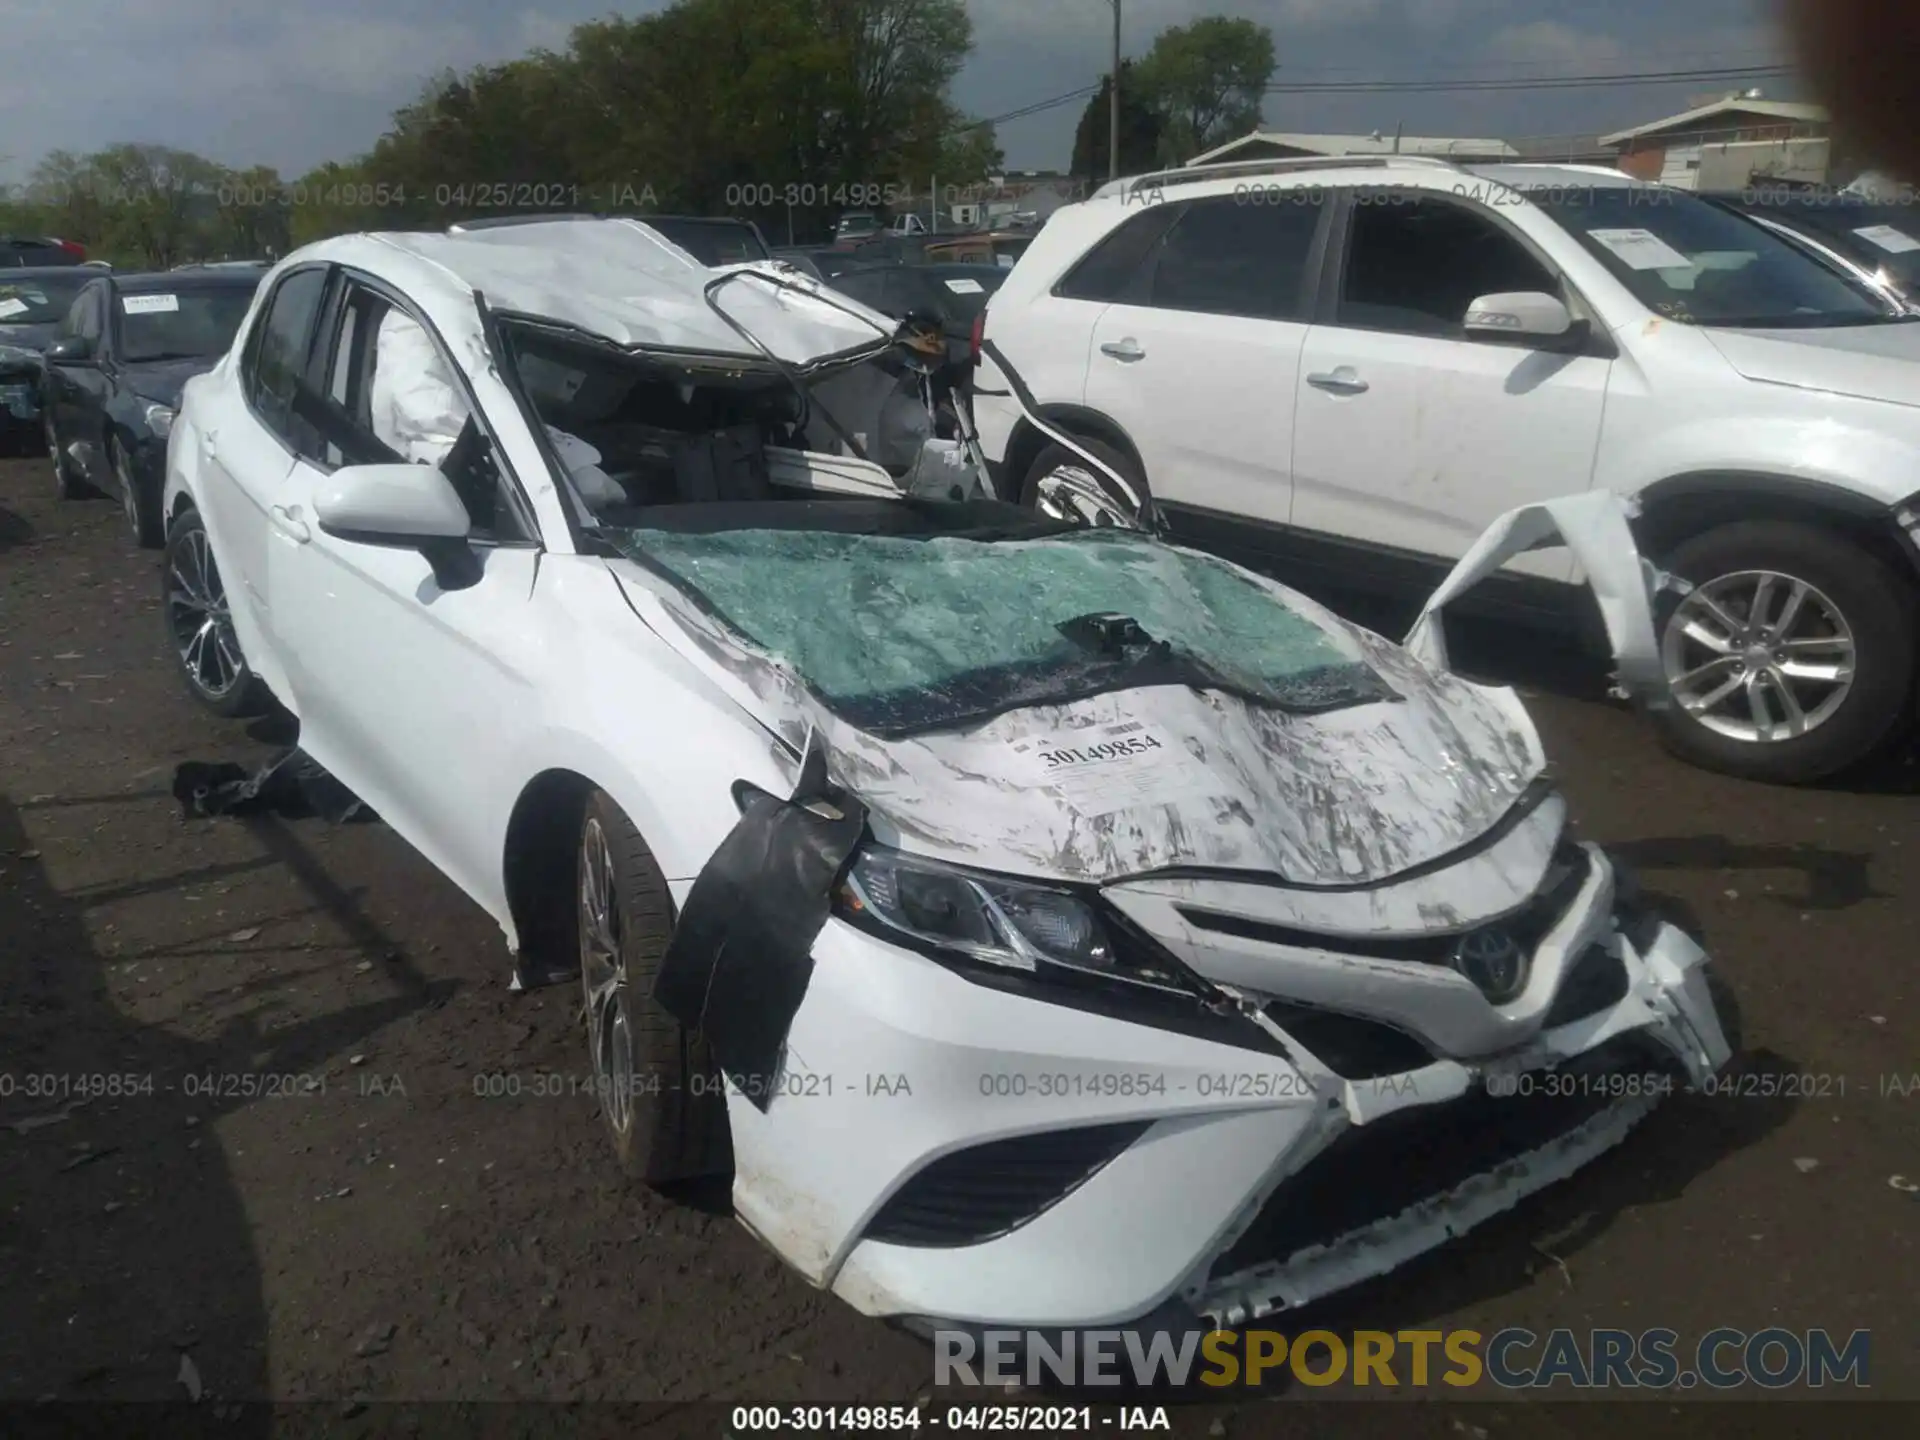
column 903, row 635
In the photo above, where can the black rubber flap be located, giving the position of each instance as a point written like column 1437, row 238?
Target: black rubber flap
column 742, row 954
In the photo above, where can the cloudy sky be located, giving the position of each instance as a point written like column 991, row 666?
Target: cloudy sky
column 262, row 81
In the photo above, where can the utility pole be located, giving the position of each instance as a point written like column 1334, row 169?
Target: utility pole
column 1113, row 116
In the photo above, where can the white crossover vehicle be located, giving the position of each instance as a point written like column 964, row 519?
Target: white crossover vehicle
column 1043, row 924
column 1342, row 370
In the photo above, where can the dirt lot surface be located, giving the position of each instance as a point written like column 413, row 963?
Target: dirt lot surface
column 386, row 1232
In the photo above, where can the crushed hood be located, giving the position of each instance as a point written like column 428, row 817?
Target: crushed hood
column 1866, row 362
column 1320, row 785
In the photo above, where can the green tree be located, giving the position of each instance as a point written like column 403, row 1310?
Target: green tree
column 1140, row 128
column 1207, row 80
column 252, row 219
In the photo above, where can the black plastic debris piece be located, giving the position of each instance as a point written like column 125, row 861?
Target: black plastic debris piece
column 742, row 954
column 292, row 784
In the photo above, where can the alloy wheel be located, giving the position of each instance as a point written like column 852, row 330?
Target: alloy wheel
column 603, row 974
column 1758, row 656
column 123, row 472
column 198, row 618
column 1073, row 493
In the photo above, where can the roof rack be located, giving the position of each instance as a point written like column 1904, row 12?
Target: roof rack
column 1276, row 165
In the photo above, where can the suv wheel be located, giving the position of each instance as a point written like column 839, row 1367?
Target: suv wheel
column 199, row 628
column 1793, row 657
column 1063, row 486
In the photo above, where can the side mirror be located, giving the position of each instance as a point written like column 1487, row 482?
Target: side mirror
column 74, row 350
column 401, row 507
column 1520, row 315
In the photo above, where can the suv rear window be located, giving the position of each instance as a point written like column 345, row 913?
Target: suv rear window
column 1229, row 257
column 1107, row 270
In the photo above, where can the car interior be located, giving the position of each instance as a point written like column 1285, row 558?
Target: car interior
column 673, row 432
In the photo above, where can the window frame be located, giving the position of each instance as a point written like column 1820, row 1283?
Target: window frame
column 256, row 338
column 1594, row 342
column 1589, row 338
column 1146, row 278
column 345, row 285
column 1165, row 215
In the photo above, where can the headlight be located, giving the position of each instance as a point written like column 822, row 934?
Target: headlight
column 159, row 420
column 994, row 920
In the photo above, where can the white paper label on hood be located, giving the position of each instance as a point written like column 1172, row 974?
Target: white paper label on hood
column 1642, row 249
column 12, row 306
column 1896, row 242
column 150, row 304
column 1107, row 768
column 964, row 287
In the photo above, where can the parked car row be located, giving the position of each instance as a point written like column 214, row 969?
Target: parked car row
column 1346, row 382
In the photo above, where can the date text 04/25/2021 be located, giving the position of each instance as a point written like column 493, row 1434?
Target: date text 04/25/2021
column 851, row 1420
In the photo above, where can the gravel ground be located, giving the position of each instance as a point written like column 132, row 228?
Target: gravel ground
column 370, row 1226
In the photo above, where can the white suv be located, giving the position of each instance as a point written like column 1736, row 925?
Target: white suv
column 1344, row 370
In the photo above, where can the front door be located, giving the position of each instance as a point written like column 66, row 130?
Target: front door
column 1410, row 436
column 1201, row 360
column 415, row 697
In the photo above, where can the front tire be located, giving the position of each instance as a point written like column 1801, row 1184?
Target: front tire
column 1793, row 658
column 659, row 1092
column 1042, row 490
column 200, row 627
column 142, row 509
column 67, row 484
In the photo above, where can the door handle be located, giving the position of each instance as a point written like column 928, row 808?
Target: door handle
column 286, row 519
column 1339, row 382
column 1127, row 349
column 207, row 446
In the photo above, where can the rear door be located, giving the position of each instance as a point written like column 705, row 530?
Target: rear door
column 1198, row 358
column 1412, row 437
column 249, row 435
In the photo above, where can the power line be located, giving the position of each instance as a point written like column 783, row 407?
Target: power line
column 1529, row 82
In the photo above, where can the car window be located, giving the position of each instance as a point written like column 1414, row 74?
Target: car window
column 1228, row 257
column 393, row 396
column 1695, row 263
column 1416, row 265
column 277, row 360
column 41, row 300
column 1107, row 271
column 192, row 323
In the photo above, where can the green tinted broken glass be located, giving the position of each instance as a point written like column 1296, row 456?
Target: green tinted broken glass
column 914, row 633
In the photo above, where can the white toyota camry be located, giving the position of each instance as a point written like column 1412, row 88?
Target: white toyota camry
column 1044, row 926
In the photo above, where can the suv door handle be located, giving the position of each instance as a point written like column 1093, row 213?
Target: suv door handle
column 1343, row 381
column 286, row 519
column 207, row 448
column 1127, row 349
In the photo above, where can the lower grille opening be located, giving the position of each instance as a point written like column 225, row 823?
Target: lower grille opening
column 989, row 1190
column 1597, row 980
column 1377, row 1170
column 1352, row 1048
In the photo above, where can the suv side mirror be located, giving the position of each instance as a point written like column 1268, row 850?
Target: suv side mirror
column 1519, row 315
column 73, row 350
column 401, row 507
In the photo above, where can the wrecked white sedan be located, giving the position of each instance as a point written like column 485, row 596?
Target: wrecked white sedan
column 1045, row 926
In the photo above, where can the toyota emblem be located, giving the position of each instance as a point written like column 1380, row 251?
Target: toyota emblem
column 1493, row 960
